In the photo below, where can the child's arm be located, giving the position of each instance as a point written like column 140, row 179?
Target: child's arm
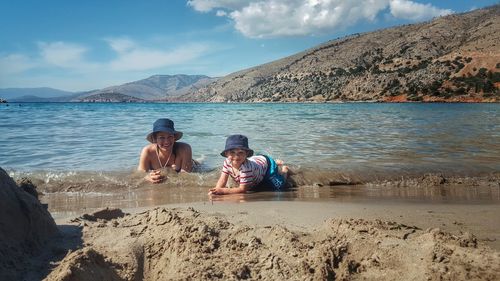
column 240, row 189
column 222, row 190
column 221, row 184
column 220, row 187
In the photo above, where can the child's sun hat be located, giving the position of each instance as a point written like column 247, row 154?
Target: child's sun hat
column 164, row 125
column 237, row 142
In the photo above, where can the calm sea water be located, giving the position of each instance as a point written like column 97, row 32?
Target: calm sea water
column 350, row 137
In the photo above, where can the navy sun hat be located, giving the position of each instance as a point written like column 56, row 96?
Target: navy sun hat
column 164, row 125
column 237, row 142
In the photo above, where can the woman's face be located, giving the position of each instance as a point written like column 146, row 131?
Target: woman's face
column 164, row 140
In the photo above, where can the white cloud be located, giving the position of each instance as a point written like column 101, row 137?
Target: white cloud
column 208, row 5
column 16, row 63
column 221, row 13
column 133, row 57
column 62, row 54
column 284, row 18
column 130, row 56
column 121, row 45
column 67, row 65
column 404, row 9
column 275, row 18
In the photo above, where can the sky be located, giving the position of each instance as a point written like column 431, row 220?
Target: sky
column 92, row 44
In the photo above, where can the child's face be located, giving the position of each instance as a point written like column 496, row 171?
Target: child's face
column 237, row 156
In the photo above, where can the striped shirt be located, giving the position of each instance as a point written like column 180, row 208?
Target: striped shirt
column 252, row 171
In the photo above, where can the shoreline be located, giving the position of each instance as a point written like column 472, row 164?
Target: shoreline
column 231, row 237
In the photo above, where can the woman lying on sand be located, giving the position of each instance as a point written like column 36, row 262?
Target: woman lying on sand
column 164, row 152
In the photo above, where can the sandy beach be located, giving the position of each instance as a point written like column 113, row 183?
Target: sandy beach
column 266, row 240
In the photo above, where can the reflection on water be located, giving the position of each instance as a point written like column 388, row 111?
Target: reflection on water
column 75, row 193
column 63, row 204
column 73, row 204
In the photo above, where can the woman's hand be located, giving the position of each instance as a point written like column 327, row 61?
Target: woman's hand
column 155, row 176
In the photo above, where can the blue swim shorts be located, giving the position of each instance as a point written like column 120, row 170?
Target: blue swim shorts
column 273, row 178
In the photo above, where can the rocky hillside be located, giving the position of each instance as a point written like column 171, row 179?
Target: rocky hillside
column 110, row 97
column 157, row 87
column 452, row 58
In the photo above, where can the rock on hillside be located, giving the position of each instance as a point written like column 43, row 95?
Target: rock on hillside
column 157, row 87
column 452, row 58
column 25, row 226
column 110, row 97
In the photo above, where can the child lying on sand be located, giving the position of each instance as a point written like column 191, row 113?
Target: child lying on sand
column 247, row 170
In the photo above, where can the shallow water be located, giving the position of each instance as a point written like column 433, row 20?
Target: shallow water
column 83, row 155
column 356, row 138
column 71, row 204
column 72, row 194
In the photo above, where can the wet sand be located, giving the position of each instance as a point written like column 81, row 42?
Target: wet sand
column 286, row 240
column 434, row 230
column 481, row 220
column 85, row 197
column 468, row 207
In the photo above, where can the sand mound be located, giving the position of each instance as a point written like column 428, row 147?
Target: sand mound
column 180, row 244
column 25, row 225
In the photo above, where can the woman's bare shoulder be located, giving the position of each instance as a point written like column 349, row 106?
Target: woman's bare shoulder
column 183, row 146
column 150, row 148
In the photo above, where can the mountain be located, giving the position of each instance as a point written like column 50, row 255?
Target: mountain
column 452, row 58
column 154, row 88
column 11, row 94
column 111, row 97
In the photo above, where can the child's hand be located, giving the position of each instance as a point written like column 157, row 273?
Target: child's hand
column 216, row 191
column 154, row 176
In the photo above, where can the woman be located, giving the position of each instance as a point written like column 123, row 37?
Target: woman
column 164, row 152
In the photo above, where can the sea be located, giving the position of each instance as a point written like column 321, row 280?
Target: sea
column 323, row 143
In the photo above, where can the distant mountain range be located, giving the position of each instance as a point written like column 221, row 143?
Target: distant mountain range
column 33, row 94
column 453, row 58
column 154, row 88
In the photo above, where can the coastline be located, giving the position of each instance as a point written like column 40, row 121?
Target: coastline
column 249, row 236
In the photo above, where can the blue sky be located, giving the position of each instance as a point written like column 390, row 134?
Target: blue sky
column 85, row 45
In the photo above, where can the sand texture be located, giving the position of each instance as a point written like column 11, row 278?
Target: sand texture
column 218, row 241
column 25, row 227
column 184, row 244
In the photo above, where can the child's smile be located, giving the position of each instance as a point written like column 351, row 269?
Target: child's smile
column 237, row 157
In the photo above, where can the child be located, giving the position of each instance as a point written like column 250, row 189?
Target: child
column 247, row 170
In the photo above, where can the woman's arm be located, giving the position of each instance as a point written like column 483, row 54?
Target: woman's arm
column 153, row 176
column 143, row 160
column 186, row 157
